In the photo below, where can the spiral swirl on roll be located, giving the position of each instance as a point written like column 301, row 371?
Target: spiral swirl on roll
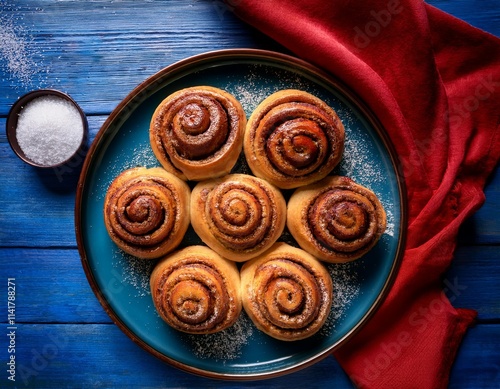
column 146, row 211
column 293, row 139
column 336, row 219
column 196, row 291
column 286, row 292
column 239, row 216
column 197, row 133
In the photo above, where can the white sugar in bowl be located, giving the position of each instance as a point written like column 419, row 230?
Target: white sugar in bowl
column 46, row 128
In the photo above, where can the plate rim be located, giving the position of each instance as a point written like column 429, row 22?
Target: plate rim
column 255, row 54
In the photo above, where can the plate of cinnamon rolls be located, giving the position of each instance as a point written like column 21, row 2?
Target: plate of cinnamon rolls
column 240, row 215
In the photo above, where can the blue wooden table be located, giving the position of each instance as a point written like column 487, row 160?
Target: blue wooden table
column 98, row 52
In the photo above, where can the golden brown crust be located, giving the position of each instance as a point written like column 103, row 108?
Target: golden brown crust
column 293, row 139
column 196, row 291
column 146, row 211
column 286, row 292
column 336, row 220
column 197, row 133
column 239, row 216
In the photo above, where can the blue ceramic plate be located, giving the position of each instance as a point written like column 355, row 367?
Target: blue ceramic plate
column 121, row 282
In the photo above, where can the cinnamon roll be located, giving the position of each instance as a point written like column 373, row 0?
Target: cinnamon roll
column 336, row 220
column 146, row 211
column 239, row 216
column 293, row 138
column 196, row 133
column 196, row 291
column 286, row 292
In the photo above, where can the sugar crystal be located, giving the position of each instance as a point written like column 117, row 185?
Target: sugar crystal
column 49, row 130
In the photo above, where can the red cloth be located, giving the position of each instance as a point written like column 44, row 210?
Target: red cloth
column 434, row 82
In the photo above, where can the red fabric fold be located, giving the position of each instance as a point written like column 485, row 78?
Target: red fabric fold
column 434, row 83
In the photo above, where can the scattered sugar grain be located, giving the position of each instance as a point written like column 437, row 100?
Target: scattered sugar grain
column 140, row 156
column 254, row 89
column 358, row 162
column 134, row 272
column 16, row 52
column 143, row 156
column 390, row 227
column 224, row 345
column 346, row 288
column 49, row 130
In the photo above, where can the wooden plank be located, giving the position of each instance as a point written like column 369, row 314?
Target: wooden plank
column 471, row 281
column 84, row 48
column 53, row 287
column 476, row 365
column 484, row 226
column 486, row 18
column 37, row 207
column 101, row 356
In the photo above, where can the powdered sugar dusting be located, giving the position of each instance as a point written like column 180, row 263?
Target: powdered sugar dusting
column 390, row 228
column 346, row 288
column 134, row 272
column 224, row 345
column 250, row 96
column 254, row 89
column 141, row 156
column 357, row 163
